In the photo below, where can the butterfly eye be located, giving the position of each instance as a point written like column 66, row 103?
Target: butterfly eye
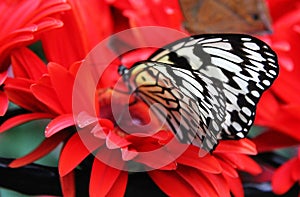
column 255, row 16
column 122, row 70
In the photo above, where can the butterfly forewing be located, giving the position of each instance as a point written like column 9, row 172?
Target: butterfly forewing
column 206, row 86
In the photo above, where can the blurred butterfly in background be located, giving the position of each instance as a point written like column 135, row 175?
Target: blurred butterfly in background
column 206, row 87
column 213, row 16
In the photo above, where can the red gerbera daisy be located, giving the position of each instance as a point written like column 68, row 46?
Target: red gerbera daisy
column 279, row 108
column 22, row 21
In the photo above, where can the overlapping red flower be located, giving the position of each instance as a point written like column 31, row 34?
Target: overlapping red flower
column 279, row 108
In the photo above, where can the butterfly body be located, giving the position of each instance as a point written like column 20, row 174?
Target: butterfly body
column 206, row 87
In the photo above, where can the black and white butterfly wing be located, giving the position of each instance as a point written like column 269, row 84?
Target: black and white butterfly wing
column 244, row 65
column 207, row 86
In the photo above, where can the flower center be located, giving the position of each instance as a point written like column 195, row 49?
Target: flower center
column 132, row 117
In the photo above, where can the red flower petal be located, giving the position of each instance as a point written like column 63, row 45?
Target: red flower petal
column 171, row 183
column 267, row 108
column 249, row 165
column 4, row 104
column 22, row 21
column 44, row 92
column 171, row 166
column 288, row 120
column 208, row 163
column 102, row 129
column 285, row 87
column 18, row 91
column 103, row 177
column 67, row 184
column 278, row 8
column 110, row 75
column 165, row 162
column 128, row 154
column 3, row 76
column 228, row 169
column 20, row 119
column 243, row 146
column 44, row 148
column 114, row 141
column 235, row 186
column 162, row 13
column 79, row 19
column 242, row 162
column 84, row 119
column 119, row 187
column 68, row 160
column 296, row 171
column 106, row 124
column 27, row 64
column 219, row 183
column 59, row 123
column 59, row 74
column 200, row 183
column 282, row 179
column 75, row 67
column 271, row 140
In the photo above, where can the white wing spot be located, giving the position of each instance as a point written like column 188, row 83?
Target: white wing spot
column 255, row 93
column 272, row 72
column 223, row 63
column 269, row 54
column 271, row 60
column 215, row 125
column 254, row 55
column 249, row 100
column 260, row 86
column 213, row 71
column 211, row 40
column 223, row 45
column 251, row 45
column 247, row 111
column 250, row 122
column 237, row 126
column 240, row 134
column 242, row 83
column 266, row 82
column 192, row 89
column 246, row 39
column 243, row 118
column 257, row 64
column 223, row 54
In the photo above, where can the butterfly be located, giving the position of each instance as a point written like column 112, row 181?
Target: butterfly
column 211, row 16
column 206, row 87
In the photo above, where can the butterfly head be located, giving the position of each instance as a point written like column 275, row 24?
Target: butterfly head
column 123, row 71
